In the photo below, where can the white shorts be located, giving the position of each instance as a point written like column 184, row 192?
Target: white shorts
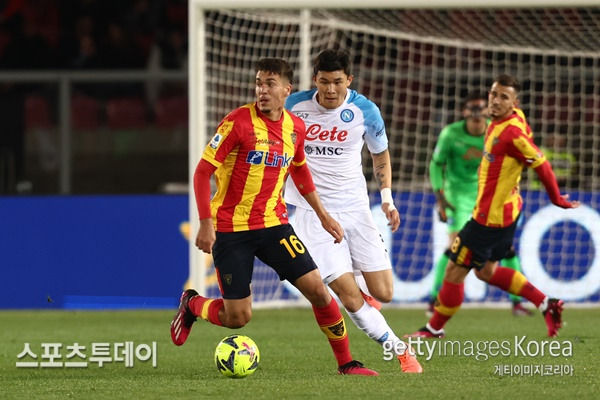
column 362, row 249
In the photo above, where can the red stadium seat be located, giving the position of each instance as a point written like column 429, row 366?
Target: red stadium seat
column 85, row 112
column 37, row 113
column 171, row 112
column 176, row 13
column 549, row 106
column 590, row 109
column 44, row 15
column 126, row 113
column 5, row 39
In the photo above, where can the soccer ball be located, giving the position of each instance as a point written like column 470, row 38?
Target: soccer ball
column 237, row 356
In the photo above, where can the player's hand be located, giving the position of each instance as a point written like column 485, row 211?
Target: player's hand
column 563, row 202
column 442, row 205
column 333, row 227
column 206, row 235
column 392, row 215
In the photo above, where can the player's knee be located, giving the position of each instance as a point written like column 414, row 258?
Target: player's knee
column 384, row 294
column 319, row 296
column 483, row 274
column 239, row 319
column 351, row 303
column 455, row 273
column 237, row 323
column 479, row 275
column 380, row 285
column 313, row 288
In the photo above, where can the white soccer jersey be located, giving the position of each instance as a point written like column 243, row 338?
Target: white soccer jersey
column 333, row 147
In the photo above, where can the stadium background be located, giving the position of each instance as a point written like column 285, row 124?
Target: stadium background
column 95, row 111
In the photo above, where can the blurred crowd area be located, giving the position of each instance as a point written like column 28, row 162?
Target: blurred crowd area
column 128, row 136
column 92, row 34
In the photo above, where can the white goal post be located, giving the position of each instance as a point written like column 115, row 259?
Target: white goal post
column 417, row 60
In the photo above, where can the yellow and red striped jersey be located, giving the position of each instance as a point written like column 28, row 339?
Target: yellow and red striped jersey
column 252, row 155
column 508, row 148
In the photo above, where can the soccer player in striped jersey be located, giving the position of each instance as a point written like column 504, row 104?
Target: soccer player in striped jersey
column 254, row 149
column 339, row 122
column 488, row 236
column 453, row 176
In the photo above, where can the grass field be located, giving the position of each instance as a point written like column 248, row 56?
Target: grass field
column 296, row 361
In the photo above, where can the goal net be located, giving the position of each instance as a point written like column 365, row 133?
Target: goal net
column 417, row 65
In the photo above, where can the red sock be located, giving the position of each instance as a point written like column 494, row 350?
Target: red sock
column 514, row 282
column 448, row 302
column 332, row 324
column 207, row 309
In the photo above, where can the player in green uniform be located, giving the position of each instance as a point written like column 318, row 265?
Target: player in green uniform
column 453, row 175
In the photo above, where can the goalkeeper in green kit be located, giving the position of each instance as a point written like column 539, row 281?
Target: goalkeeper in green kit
column 453, row 175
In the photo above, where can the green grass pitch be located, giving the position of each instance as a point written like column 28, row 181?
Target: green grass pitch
column 296, row 361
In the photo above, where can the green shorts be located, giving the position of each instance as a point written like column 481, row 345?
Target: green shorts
column 460, row 216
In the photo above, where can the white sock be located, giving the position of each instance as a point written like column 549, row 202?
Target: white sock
column 362, row 283
column 433, row 330
column 369, row 320
column 543, row 305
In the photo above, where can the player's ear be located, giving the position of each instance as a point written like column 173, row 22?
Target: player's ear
column 516, row 103
column 350, row 79
column 288, row 89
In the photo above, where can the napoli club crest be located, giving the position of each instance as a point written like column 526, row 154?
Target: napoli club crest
column 347, row 115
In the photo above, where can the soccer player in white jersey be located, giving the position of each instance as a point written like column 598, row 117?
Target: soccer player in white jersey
column 339, row 121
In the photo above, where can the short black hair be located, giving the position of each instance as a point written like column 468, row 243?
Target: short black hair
column 332, row 60
column 507, row 80
column 474, row 96
column 275, row 66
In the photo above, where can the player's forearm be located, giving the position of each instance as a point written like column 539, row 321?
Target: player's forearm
column 302, row 178
column 436, row 176
column 548, row 179
column 327, row 221
column 314, row 201
column 382, row 169
column 202, row 175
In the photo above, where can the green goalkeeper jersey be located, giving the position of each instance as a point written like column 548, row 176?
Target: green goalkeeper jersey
column 455, row 162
